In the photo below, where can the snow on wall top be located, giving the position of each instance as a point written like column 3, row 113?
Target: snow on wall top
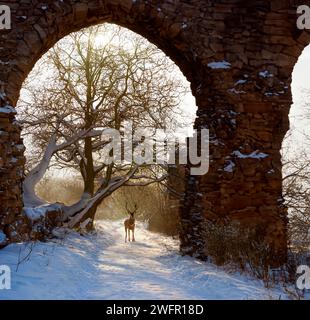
column 254, row 155
column 219, row 65
column 36, row 213
column 230, row 167
column 265, row 74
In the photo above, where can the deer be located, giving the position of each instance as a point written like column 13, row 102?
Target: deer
column 130, row 223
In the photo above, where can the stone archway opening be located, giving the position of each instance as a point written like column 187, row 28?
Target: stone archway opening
column 64, row 182
column 295, row 158
column 53, row 23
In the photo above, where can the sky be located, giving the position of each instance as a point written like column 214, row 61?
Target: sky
column 301, row 94
column 301, row 74
column 41, row 74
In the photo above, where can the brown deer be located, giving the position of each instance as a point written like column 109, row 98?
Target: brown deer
column 130, row 223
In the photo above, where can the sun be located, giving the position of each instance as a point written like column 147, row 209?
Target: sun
column 100, row 40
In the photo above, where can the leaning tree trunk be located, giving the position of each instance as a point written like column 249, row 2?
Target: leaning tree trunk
column 30, row 197
column 82, row 217
column 81, row 214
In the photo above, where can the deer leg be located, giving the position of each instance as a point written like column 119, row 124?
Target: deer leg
column 133, row 235
column 125, row 234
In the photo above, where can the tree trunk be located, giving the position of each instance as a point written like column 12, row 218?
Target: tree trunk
column 89, row 183
column 35, row 175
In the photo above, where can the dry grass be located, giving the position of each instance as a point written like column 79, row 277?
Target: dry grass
column 153, row 203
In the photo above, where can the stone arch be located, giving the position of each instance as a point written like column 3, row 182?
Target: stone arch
column 35, row 29
column 160, row 24
column 238, row 56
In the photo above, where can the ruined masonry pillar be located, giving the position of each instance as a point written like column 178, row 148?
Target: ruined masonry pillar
column 244, row 184
column 13, row 225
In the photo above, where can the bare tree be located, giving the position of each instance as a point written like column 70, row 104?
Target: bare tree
column 296, row 175
column 91, row 88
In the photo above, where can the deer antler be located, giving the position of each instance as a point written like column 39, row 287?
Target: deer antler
column 129, row 211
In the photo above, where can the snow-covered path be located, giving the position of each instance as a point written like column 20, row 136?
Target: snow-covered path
column 102, row 266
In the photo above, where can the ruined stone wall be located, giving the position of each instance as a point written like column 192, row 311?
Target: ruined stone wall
column 12, row 222
column 238, row 56
column 245, row 105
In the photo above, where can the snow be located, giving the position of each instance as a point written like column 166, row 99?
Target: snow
column 184, row 25
column 2, row 95
column 36, row 174
column 254, row 155
column 38, row 212
column 233, row 90
column 219, row 65
column 102, row 266
column 7, row 109
column 265, row 74
column 241, row 81
column 2, row 238
column 20, row 147
column 270, row 94
column 230, row 167
column 35, row 213
column 14, row 160
column 216, row 142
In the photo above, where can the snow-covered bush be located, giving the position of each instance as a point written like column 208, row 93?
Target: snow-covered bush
column 235, row 245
